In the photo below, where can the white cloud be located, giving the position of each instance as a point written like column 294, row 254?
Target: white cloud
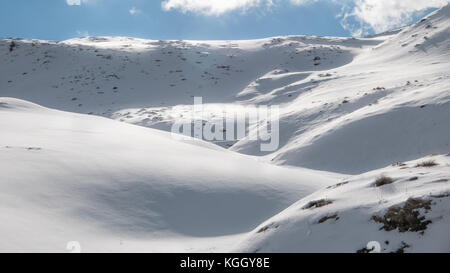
column 134, row 11
column 82, row 33
column 360, row 17
column 302, row 2
column 218, row 7
column 383, row 15
column 213, row 7
column 75, row 2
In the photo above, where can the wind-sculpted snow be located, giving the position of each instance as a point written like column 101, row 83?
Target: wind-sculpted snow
column 347, row 218
column 348, row 106
column 75, row 177
column 373, row 144
column 320, row 84
column 390, row 104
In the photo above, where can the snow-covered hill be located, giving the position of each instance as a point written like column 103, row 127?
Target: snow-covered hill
column 349, row 108
column 390, row 104
column 113, row 186
column 337, row 94
column 404, row 207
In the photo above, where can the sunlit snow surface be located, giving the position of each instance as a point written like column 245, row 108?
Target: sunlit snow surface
column 349, row 108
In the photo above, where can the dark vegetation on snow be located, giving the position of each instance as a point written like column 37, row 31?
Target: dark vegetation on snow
column 317, row 204
column 427, row 164
column 402, row 248
column 266, row 228
column 326, row 218
column 406, row 218
column 338, row 185
column 383, row 180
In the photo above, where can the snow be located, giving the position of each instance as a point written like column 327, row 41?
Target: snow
column 100, row 182
column 354, row 202
column 86, row 154
column 383, row 89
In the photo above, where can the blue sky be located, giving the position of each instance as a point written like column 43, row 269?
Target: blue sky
column 205, row 19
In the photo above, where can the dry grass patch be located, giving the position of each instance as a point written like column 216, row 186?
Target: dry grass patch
column 364, row 250
column 266, row 228
column 404, row 246
column 427, row 164
column 406, row 218
column 326, row 218
column 383, row 180
column 337, row 185
column 317, row 204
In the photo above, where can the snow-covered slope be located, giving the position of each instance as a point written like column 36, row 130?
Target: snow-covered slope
column 390, row 104
column 347, row 105
column 410, row 214
column 74, row 177
column 105, row 74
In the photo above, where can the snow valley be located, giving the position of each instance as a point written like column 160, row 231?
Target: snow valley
column 356, row 134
